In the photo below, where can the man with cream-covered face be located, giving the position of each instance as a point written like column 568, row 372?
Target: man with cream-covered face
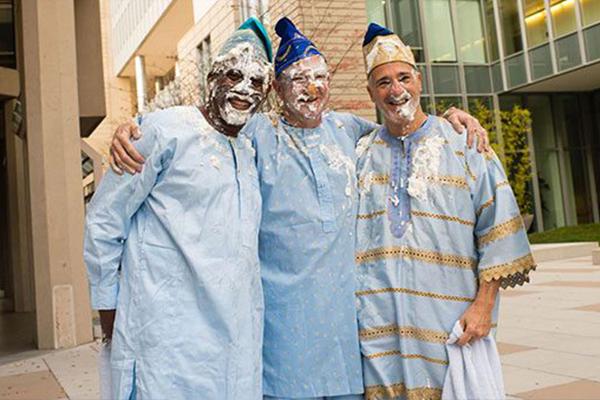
column 438, row 233
column 306, row 165
column 172, row 251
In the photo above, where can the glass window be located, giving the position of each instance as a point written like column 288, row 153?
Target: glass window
column 478, row 79
column 444, row 103
column 406, row 25
column 490, row 27
column 497, row 77
column 535, row 22
column 426, row 105
column 515, row 68
column 439, row 31
column 541, row 62
column 445, row 79
column 471, row 40
column 423, row 72
column 590, row 11
column 376, row 11
column 547, row 160
column 511, row 29
column 474, row 102
column 7, row 36
column 567, row 52
column 592, row 42
column 563, row 17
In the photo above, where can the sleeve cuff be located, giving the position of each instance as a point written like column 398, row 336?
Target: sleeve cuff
column 104, row 297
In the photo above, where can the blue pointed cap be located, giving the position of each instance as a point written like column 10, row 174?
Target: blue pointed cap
column 382, row 46
column 294, row 45
column 375, row 30
column 253, row 32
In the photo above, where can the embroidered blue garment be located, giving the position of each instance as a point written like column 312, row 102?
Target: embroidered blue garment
column 412, row 288
column 398, row 208
column 184, row 233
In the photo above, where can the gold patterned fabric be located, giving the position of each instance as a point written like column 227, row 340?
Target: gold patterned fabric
column 465, row 229
column 426, row 335
column 449, row 260
column 381, row 392
column 386, row 49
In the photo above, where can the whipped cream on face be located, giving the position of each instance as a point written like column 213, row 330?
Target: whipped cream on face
column 243, row 60
column 309, row 82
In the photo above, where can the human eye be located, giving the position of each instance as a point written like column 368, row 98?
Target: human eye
column 234, row 74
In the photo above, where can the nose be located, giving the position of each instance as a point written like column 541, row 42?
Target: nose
column 312, row 89
column 397, row 87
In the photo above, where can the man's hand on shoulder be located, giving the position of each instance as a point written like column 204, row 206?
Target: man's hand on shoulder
column 462, row 121
column 123, row 155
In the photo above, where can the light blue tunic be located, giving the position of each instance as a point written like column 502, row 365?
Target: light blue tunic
column 306, row 249
column 188, row 296
column 415, row 282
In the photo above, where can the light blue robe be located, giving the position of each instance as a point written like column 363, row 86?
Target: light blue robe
column 414, row 283
column 306, row 250
column 188, row 296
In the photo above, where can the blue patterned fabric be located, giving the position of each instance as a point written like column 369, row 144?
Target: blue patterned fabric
column 413, row 288
column 373, row 31
column 294, row 45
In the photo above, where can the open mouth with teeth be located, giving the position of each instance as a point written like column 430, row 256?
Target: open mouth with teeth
column 239, row 103
column 399, row 102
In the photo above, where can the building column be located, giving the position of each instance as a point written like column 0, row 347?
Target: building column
column 63, row 314
column 140, row 83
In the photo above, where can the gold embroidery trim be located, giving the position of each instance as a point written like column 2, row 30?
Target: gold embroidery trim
column 409, row 356
column 380, row 142
column 443, row 217
column 374, row 179
column 414, row 293
column 425, row 335
column 380, row 392
column 501, row 231
column 450, row 260
column 450, row 180
column 485, row 205
column 503, row 183
column 371, row 215
column 459, row 153
column 511, row 273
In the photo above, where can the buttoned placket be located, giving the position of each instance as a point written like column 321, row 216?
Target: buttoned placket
column 319, row 167
column 398, row 199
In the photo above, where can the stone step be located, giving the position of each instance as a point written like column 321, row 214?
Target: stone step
column 561, row 251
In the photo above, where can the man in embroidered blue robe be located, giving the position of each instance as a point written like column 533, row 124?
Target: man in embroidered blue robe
column 438, row 233
column 306, row 165
column 173, row 249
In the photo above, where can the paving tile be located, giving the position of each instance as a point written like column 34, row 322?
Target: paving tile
column 518, row 380
column 24, row 366
column 515, row 293
column 566, row 270
column 579, row 390
column 590, row 307
column 31, row 386
column 582, row 345
column 77, row 371
column 509, row 348
column 575, row 284
column 554, row 362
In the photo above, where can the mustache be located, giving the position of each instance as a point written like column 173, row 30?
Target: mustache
column 398, row 100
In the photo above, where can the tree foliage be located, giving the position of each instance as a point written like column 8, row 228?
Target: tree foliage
column 509, row 141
